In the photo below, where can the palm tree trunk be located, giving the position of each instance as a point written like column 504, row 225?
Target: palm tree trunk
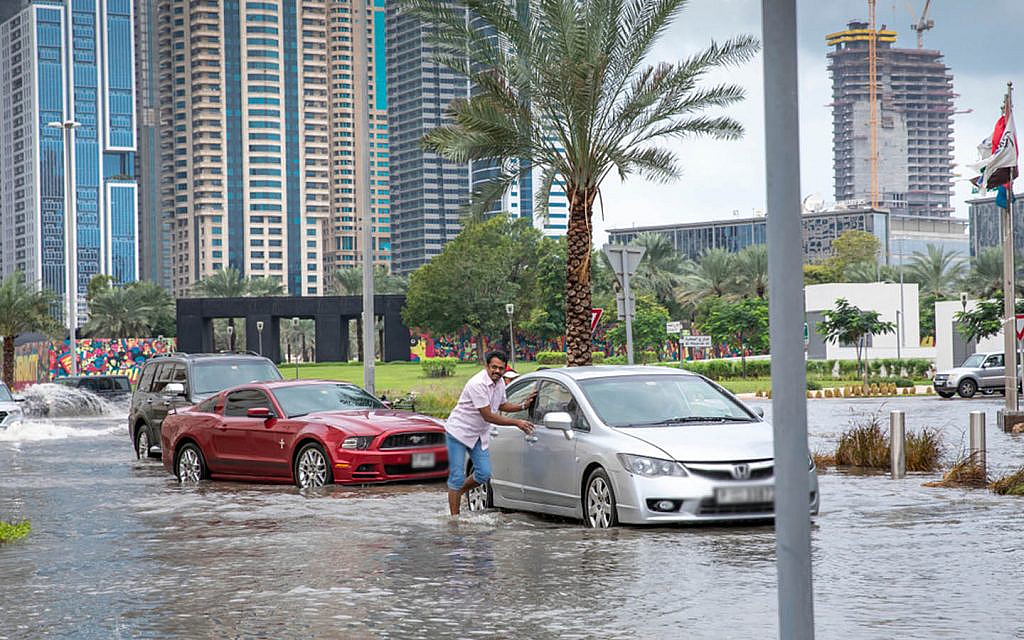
column 577, row 277
column 9, row 361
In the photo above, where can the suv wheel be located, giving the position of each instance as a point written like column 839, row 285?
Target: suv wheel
column 967, row 388
column 142, row 442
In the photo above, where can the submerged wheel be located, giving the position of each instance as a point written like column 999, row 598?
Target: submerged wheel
column 191, row 466
column 599, row 502
column 967, row 388
column 142, row 443
column 946, row 394
column 311, row 468
column 480, row 498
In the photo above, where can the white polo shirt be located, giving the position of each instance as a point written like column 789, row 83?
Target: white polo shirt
column 465, row 423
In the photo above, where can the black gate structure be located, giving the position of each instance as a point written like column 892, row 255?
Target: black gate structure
column 330, row 313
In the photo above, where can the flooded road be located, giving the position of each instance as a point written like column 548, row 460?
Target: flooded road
column 119, row 549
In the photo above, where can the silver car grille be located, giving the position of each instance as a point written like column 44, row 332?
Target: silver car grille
column 738, row 471
column 3, row 416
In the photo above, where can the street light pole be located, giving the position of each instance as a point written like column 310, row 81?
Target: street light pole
column 510, row 309
column 361, row 113
column 70, row 242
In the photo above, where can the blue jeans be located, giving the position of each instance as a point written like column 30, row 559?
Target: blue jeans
column 457, row 463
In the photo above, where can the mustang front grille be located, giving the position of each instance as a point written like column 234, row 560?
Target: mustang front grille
column 412, row 440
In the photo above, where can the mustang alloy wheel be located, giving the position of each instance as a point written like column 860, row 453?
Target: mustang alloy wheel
column 599, row 502
column 142, row 443
column 191, row 466
column 311, row 468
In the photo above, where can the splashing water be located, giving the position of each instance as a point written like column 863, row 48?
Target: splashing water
column 59, row 401
column 37, row 430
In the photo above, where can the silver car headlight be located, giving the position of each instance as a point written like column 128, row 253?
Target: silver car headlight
column 651, row 467
column 15, row 415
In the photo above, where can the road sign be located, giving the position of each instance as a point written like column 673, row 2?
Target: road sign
column 595, row 317
column 675, row 327
column 620, row 304
column 696, row 341
column 807, row 335
column 624, row 258
column 1020, row 326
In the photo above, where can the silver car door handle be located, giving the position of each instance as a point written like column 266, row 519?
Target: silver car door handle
column 495, row 433
column 531, row 438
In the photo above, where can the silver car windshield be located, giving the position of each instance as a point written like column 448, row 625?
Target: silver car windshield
column 299, row 400
column 660, row 400
column 974, row 361
column 5, row 394
column 211, row 377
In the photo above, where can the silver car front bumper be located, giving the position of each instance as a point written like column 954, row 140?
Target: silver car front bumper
column 695, row 499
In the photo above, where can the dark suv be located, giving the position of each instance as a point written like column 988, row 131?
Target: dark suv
column 109, row 387
column 179, row 380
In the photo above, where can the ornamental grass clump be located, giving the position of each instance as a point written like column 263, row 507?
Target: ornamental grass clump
column 1009, row 485
column 966, row 472
column 11, row 531
column 865, row 445
column 823, row 460
column 924, row 450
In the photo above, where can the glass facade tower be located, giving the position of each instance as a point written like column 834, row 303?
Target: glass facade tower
column 68, row 60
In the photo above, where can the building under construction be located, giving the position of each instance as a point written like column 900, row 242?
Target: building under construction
column 914, row 115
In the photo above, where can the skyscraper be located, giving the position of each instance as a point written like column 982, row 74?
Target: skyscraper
column 428, row 193
column 61, row 62
column 257, row 139
column 915, row 123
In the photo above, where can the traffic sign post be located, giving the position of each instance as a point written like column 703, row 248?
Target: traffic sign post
column 624, row 260
column 700, row 342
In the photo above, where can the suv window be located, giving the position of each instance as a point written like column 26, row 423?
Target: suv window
column 211, row 376
column 163, row 376
column 95, row 384
column 994, row 360
column 239, row 402
column 146, row 381
column 121, row 384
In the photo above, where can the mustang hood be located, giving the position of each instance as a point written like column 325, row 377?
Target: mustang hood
column 719, row 442
column 377, row 421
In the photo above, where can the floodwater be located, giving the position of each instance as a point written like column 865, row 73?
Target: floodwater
column 119, row 549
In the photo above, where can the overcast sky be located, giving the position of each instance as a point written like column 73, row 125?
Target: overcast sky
column 720, row 178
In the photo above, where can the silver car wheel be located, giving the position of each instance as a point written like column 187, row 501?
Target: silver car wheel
column 599, row 504
column 477, row 498
column 312, row 468
column 190, row 469
column 142, row 443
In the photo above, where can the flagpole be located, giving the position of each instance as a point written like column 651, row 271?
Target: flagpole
column 1009, row 290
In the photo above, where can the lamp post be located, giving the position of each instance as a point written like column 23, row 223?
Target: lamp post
column 295, row 327
column 259, row 331
column 70, row 242
column 511, row 309
column 231, row 338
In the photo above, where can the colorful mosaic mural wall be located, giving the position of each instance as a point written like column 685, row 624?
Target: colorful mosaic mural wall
column 463, row 346
column 118, row 356
column 31, row 362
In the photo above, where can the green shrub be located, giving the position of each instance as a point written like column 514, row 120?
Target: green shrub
column 550, row 357
column 597, row 357
column 11, row 531
column 438, row 404
column 646, row 357
column 615, row 360
column 813, row 385
column 439, row 367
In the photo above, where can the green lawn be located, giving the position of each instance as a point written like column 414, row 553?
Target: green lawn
column 395, row 377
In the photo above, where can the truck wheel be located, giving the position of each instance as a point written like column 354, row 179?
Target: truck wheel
column 967, row 388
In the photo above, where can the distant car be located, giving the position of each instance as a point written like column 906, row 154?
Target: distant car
column 181, row 380
column 980, row 371
column 11, row 413
column 109, row 387
column 637, row 445
column 310, row 433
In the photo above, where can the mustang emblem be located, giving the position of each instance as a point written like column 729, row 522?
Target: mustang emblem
column 417, row 439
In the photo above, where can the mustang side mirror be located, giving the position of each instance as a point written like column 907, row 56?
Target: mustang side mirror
column 259, row 412
column 174, row 389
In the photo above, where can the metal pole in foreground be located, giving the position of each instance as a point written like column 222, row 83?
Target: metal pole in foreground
column 897, row 445
column 70, row 243
column 786, row 318
column 977, row 428
column 361, row 112
column 629, row 311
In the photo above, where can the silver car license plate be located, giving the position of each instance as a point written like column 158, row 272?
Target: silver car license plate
column 740, row 495
column 422, row 460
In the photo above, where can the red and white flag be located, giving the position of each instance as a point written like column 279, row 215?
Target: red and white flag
column 998, row 154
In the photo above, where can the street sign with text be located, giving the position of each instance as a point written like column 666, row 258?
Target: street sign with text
column 675, row 327
column 703, row 342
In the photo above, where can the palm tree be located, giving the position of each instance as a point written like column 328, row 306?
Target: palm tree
column 118, row 312
column 22, row 309
column 562, row 86
column 935, row 271
column 714, row 275
column 260, row 287
column 752, row 271
column 660, row 270
column 161, row 305
column 985, row 276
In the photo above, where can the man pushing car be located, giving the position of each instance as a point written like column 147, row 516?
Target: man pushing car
column 468, row 429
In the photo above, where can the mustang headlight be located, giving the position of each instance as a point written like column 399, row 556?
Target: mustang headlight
column 651, row 467
column 357, row 442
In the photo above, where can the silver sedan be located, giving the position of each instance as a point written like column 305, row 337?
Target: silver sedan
column 637, row 445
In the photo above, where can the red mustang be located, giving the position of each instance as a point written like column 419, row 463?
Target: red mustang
column 309, row 432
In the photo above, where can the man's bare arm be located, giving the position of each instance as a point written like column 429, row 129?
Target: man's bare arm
column 496, row 418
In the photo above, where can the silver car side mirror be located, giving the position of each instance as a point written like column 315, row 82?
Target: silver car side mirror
column 174, row 389
column 18, row 397
column 759, row 411
column 561, row 421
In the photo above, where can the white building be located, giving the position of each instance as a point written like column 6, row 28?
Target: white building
column 883, row 297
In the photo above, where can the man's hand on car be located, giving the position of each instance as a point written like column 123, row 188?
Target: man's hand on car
column 525, row 426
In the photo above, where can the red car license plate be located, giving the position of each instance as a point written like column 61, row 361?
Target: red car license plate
column 422, row 460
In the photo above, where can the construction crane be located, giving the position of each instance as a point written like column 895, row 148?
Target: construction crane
column 923, row 23
column 873, row 101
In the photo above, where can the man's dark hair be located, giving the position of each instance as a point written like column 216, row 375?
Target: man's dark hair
column 490, row 355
